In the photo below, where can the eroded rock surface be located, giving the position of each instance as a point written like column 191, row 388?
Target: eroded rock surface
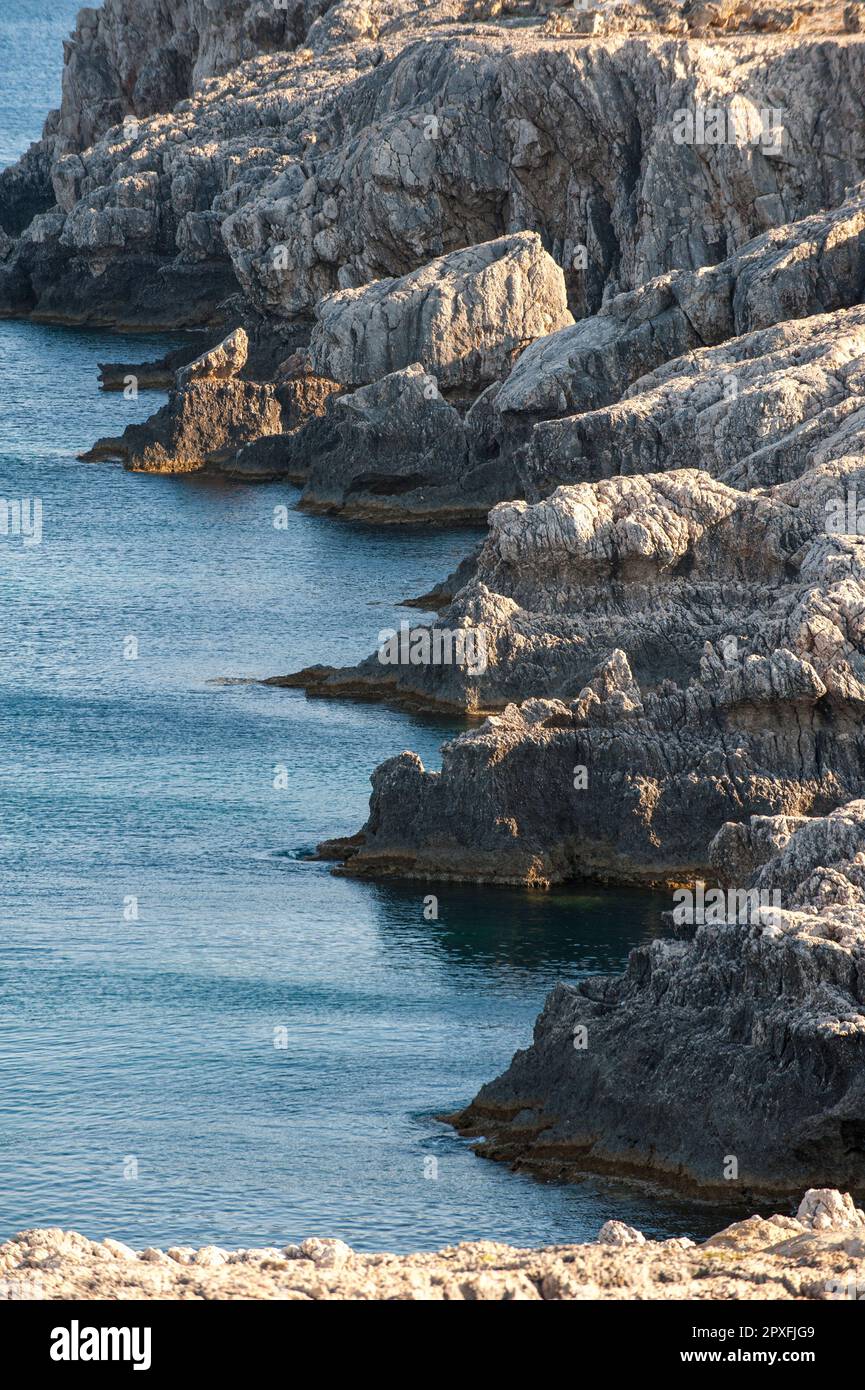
column 731, row 1056
column 393, row 451
column 666, row 618
column 464, row 317
column 219, row 363
column 689, row 576
column 204, row 423
column 776, row 1257
column 620, row 784
column 210, row 414
column 758, row 410
column 397, row 134
column 789, row 272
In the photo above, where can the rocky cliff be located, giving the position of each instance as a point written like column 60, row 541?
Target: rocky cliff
column 398, row 133
column 598, row 277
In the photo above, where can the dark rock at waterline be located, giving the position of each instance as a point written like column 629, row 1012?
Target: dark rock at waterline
column 155, row 375
column 210, row 413
column 396, row 450
column 203, row 424
column 132, row 291
column 25, row 188
column 619, row 784
column 728, row 1063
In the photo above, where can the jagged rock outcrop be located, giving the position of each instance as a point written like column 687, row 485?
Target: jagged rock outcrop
column 271, row 353
column 732, row 1059
column 203, row 424
column 26, row 189
column 669, row 611
column 140, row 57
column 131, row 59
column 386, row 451
column 790, row 272
column 505, row 130
column 624, row 784
column 758, row 410
column 218, row 363
column 639, row 339
column 157, row 375
column 392, row 451
column 464, row 317
column 686, row 574
column 819, row 1254
column 209, row 415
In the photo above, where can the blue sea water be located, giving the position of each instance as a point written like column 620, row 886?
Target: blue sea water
column 31, row 58
column 203, row 1036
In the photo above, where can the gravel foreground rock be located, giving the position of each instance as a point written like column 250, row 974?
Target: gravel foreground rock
column 818, row 1254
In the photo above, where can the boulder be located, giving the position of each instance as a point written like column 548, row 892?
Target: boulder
column 203, row 424
column 220, row 363
column 463, row 317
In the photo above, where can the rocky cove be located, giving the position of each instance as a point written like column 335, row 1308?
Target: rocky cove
column 453, row 264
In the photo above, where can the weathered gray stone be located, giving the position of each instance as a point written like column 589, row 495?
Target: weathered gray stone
column 220, row 363
column 463, row 317
column 387, row 152
column 790, row 272
column 729, row 1061
column 824, row 1209
column 756, row 411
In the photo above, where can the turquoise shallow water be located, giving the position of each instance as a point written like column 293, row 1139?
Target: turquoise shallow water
column 142, row 1094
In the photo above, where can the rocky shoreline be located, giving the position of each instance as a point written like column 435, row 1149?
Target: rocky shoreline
column 818, row 1254
column 729, row 1057
column 473, row 265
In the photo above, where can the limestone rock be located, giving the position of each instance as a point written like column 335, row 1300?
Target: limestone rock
column 324, row 1254
column 761, row 1033
column 824, row 1209
column 757, row 1258
column 391, row 451
column 789, row 272
column 616, row 786
column 690, row 577
column 758, row 411
column 463, row 317
column 203, row 424
column 138, row 57
column 296, row 179
column 618, row 1233
column 220, row 363
column 120, row 1250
